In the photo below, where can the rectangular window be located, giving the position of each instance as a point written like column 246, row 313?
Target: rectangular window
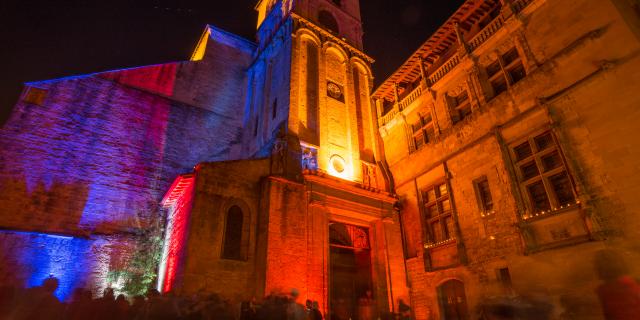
column 461, row 107
column 483, row 194
column 423, row 131
column 255, row 127
column 35, row 96
column 274, row 109
column 506, row 71
column 504, row 277
column 438, row 213
column 542, row 173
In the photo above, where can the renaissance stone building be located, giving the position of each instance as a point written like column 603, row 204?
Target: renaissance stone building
column 498, row 160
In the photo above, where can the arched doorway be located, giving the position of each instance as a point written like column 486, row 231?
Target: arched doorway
column 452, row 300
column 351, row 282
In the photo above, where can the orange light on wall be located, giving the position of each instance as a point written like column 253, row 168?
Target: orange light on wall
column 339, row 168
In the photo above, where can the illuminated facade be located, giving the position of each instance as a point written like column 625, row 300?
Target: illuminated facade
column 311, row 209
column 484, row 166
column 499, row 134
column 268, row 150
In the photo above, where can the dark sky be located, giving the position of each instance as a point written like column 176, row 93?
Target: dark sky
column 49, row 39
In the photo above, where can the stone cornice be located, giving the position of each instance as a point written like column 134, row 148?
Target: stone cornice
column 299, row 20
column 348, row 187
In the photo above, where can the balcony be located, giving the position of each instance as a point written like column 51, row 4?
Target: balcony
column 486, row 33
column 476, row 41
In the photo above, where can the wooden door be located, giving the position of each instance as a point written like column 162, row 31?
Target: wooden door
column 452, row 300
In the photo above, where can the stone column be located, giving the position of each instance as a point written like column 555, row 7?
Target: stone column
column 425, row 75
column 396, row 95
column 476, row 93
column 463, row 47
column 396, row 271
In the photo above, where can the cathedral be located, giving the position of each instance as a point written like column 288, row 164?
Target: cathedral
column 500, row 159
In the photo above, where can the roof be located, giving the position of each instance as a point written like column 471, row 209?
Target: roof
column 467, row 15
column 221, row 36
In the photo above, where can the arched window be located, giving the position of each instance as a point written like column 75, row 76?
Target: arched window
column 327, row 20
column 232, row 245
column 313, row 81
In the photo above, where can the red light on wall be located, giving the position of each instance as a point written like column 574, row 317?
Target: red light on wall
column 178, row 201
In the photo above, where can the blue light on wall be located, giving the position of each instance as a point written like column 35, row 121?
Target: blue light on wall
column 43, row 255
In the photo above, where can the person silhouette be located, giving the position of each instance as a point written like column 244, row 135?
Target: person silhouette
column 315, row 311
column 619, row 293
column 45, row 305
column 366, row 305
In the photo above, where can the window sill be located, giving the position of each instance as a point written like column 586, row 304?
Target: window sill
column 432, row 245
column 487, row 213
column 554, row 229
column 441, row 255
column 530, row 217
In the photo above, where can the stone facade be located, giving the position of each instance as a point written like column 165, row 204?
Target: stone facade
column 486, row 166
column 472, row 209
column 314, row 162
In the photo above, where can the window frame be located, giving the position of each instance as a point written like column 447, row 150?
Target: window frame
column 328, row 21
column 274, row 108
column 482, row 205
column 243, row 241
column 34, row 95
column 456, row 107
column 503, row 74
column 423, row 129
column 543, row 174
column 441, row 217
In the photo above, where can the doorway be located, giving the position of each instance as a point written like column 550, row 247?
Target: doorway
column 452, row 301
column 351, row 295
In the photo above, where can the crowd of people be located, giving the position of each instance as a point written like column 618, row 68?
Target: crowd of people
column 41, row 303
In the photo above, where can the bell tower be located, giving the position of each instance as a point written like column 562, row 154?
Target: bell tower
column 340, row 17
column 327, row 80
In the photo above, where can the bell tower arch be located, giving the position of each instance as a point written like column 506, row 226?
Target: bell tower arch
column 340, row 17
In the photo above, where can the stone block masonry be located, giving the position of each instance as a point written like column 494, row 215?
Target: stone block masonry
column 94, row 154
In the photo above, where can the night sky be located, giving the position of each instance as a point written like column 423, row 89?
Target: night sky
column 51, row 39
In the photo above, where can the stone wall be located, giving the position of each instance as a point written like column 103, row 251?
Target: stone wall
column 581, row 61
column 219, row 186
column 286, row 237
column 96, row 154
column 28, row 258
column 268, row 99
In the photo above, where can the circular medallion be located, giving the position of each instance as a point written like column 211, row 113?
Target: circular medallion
column 334, row 90
column 338, row 164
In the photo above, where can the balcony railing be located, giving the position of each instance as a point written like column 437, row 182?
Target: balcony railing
column 415, row 94
column 444, row 69
column 475, row 42
column 486, row 33
column 387, row 117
